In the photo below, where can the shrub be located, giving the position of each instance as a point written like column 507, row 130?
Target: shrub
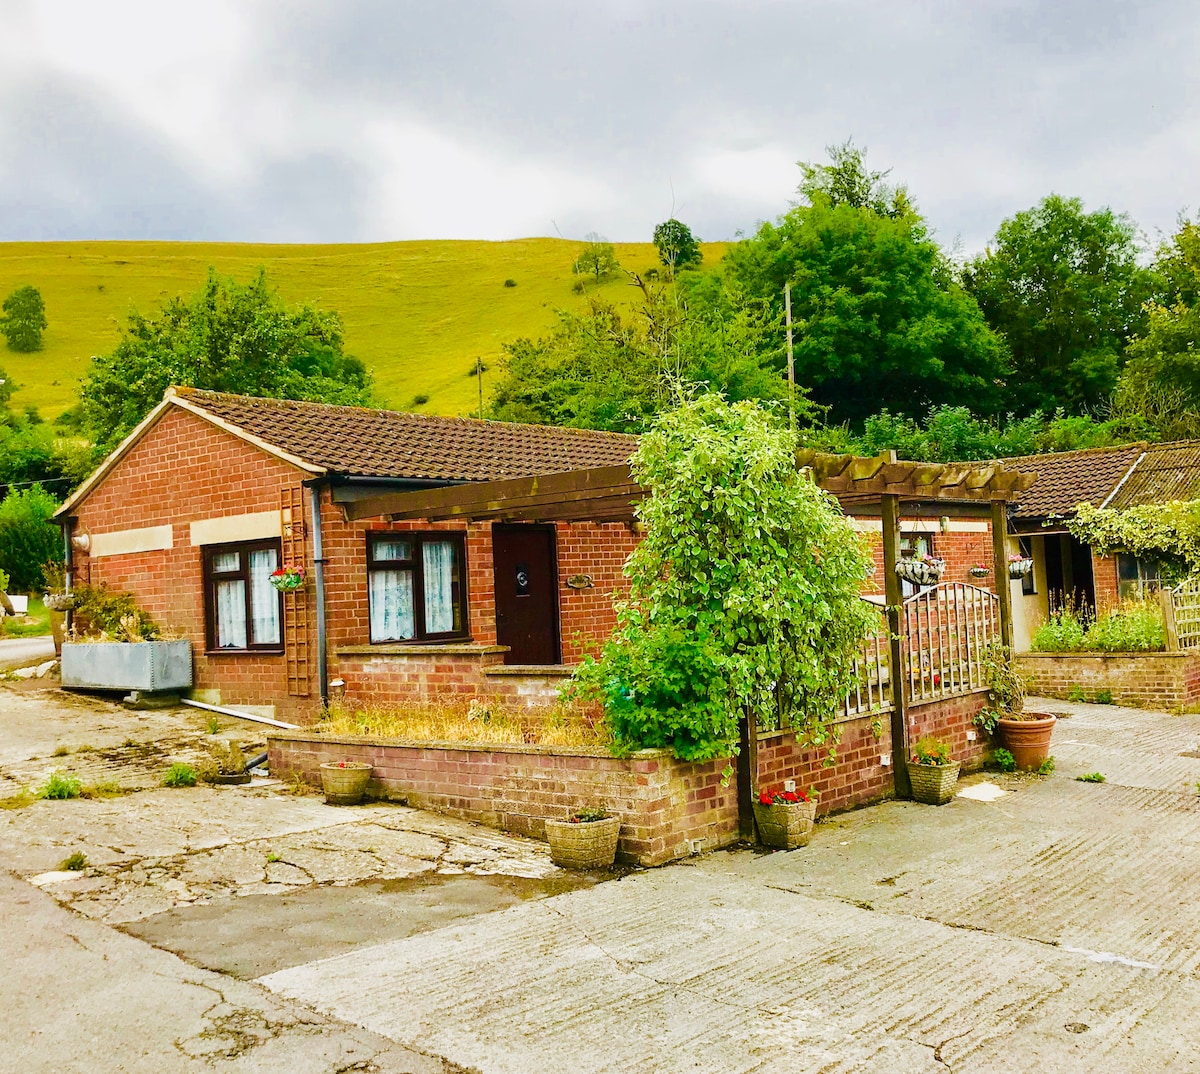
column 1046, row 767
column 420, row 400
column 73, row 862
column 180, row 775
column 929, row 750
column 1063, row 632
column 1003, row 760
column 28, row 536
column 101, row 612
column 510, row 282
column 1135, row 626
column 60, row 786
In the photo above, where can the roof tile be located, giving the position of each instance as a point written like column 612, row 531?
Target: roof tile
column 1069, row 478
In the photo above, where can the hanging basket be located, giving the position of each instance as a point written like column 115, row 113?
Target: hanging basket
column 921, row 571
column 59, row 602
column 288, row 579
column 979, row 572
column 1019, row 568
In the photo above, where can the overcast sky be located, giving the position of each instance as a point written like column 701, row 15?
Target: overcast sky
column 373, row 120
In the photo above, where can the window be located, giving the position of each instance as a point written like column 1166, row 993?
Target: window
column 243, row 610
column 415, row 588
column 1136, row 578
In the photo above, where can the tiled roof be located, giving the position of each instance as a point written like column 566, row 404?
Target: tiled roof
column 362, row 442
column 1167, row 472
column 1072, row 477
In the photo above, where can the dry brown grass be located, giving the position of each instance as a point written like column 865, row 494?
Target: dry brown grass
column 475, row 722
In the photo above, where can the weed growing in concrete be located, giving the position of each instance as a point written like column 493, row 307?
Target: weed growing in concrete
column 1090, row 777
column 214, row 725
column 1003, row 760
column 20, row 800
column 1046, row 767
column 129, row 743
column 1076, row 694
column 60, row 785
column 105, row 788
column 1104, row 697
column 272, row 857
column 180, row 775
column 73, row 862
column 61, row 750
column 297, row 785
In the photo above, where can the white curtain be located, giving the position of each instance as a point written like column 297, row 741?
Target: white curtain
column 438, row 563
column 231, row 615
column 390, row 595
column 386, row 549
column 264, row 598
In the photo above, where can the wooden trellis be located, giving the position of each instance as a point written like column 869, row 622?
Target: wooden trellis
column 296, row 613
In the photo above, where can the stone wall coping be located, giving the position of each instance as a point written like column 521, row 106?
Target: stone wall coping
column 468, row 747
column 1180, row 654
column 404, row 649
column 533, row 670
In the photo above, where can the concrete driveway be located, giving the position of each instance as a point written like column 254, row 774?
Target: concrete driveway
column 1052, row 929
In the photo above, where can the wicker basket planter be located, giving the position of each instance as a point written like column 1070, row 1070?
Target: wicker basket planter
column 585, row 844
column 1019, row 568
column 1028, row 740
column 920, row 571
column 345, row 782
column 933, row 784
column 786, row 824
column 979, row 572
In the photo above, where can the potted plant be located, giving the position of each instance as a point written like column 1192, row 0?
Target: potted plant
column 345, row 782
column 290, row 576
column 1019, row 566
column 228, row 766
column 920, row 568
column 1025, row 734
column 931, row 771
column 980, row 570
column 785, row 818
column 586, row 840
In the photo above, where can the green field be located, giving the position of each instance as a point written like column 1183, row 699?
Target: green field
column 418, row 313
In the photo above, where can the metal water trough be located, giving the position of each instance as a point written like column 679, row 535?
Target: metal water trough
column 150, row 666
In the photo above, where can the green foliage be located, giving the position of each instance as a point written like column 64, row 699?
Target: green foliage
column 931, row 750
column 1077, row 694
column 1133, row 626
column 598, row 258
column 24, row 319
column 845, row 180
column 28, row 536
column 1005, row 686
column 73, row 862
column 880, row 319
column 1161, row 383
column 744, row 591
column 226, row 337
column 1104, row 697
column 986, row 719
column 1090, row 777
column 677, row 246
column 180, row 775
column 589, row 815
column 1168, row 533
column 602, row 369
column 1063, row 631
column 214, row 725
column 60, row 786
column 1065, row 289
column 1003, row 760
column 1046, row 767
column 101, row 612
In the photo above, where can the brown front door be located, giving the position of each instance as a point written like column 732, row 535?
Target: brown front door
column 526, row 573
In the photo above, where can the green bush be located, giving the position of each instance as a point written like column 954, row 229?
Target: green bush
column 59, row 786
column 1003, row 760
column 180, row 775
column 1134, row 626
column 1063, row 632
column 28, row 536
column 100, row 611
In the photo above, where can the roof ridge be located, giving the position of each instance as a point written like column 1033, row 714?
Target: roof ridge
column 1137, row 445
column 197, row 396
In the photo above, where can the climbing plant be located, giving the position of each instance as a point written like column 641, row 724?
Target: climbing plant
column 1168, row 533
column 743, row 592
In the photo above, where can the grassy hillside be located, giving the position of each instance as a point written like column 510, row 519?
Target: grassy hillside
column 418, row 313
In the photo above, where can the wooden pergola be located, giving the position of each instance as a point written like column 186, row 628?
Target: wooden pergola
column 611, row 494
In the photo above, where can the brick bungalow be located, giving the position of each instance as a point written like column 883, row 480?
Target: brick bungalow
column 212, row 492
column 1065, row 568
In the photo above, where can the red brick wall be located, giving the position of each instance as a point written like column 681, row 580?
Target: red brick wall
column 186, row 470
column 666, row 806
column 961, row 551
column 1104, row 573
column 599, row 552
column 1164, row 681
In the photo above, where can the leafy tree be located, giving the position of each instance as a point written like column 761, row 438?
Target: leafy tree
column 1161, row 383
column 677, row 246
column 603, row 369
column 30, row 450
column 879, row 319
column 24, row 319
column 225, row 337
column 598, row 258
column 29, row 538
column 744, row 591
column 1065, row 288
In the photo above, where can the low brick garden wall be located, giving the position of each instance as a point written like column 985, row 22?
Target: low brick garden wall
column 1166, row 681
column 668, row 808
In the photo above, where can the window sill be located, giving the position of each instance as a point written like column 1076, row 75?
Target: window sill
column 417, row 648
column 243, row 652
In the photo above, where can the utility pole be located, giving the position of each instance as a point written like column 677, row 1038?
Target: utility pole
column 479, row 377
column 787, row 306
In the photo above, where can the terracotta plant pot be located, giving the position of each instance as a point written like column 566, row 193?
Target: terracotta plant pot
column 1028, row 740
column 586, row 844
column 933, row 784
column 787, row 825
column 345, row 784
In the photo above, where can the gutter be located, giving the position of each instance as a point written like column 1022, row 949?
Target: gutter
column 314, row 488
